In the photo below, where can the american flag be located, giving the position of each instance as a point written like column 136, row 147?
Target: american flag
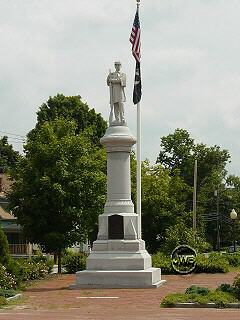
column 135, row 38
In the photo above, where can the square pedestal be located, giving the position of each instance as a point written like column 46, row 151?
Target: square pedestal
column 119, row 264
column 149, row 278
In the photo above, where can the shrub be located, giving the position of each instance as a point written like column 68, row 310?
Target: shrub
column 236, row 285
column 29, row 270
column 4, row 249
column 213, row 264
column 7, row 293
column 233, row 259
column 173, row 298
column 3, row 301
column 226, row 287
column 22, row 270
column 181, row 234
column 50, row 264
column 218, row 297
column 39, row 258
column 7, row 281
column 221, row 298
column 43, row 259
column 160, row 260
column 74, row 262
column 197, row 290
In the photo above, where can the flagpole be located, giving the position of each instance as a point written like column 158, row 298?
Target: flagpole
column 195, row 198
column 139, row 180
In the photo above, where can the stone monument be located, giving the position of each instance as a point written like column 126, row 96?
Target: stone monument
column 118, row 258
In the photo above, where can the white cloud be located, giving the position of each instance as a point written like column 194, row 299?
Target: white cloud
column 190, row 65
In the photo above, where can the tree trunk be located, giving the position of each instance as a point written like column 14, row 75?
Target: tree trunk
column 55, row 257
column 59, row 260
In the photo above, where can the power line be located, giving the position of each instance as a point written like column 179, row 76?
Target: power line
column 226, row 219
column 13, row 134
column 16, row 141
column 13, row 138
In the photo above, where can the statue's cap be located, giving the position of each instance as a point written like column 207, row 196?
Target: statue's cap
column 117, row 62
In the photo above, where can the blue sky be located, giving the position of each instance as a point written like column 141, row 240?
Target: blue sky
column 190, row 64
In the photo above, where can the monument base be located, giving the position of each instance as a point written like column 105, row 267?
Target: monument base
column 110, row 255
column 119, row 264
column 114, row 279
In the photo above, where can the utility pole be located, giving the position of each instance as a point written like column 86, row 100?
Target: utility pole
column 216, row 193
column 233, row 216
column 195, row 199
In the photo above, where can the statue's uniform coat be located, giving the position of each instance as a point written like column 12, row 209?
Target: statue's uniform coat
column 118, row 93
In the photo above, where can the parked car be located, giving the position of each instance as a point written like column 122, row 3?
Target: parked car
column 231, row 248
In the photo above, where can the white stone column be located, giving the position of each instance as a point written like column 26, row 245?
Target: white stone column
column 118, row 141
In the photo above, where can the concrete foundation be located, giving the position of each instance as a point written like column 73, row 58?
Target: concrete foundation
column 149, row 278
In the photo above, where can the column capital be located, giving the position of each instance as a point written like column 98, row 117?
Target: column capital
column 118, row 138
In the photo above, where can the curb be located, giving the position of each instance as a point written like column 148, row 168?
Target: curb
column 206, row 305
column 16, row 297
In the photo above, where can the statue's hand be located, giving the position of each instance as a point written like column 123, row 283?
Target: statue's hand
column 116, row 80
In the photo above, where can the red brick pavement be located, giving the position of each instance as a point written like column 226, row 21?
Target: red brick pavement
column 53, row 300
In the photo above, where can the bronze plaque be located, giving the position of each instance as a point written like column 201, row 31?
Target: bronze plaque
column 115, row 227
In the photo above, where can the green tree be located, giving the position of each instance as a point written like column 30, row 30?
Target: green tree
column 8, row 156
column 59, row 186
column 230, row 199
column 4, row 249
column 72, row 108
column 181, row 233
column 163, row 200
column 179, row 151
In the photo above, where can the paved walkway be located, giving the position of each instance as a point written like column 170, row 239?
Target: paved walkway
column 53, row 300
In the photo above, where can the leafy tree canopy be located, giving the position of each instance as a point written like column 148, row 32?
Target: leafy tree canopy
column 59, row 186
column 163, row 201
column 8, row 156
column 216, row 192
column 72, row 108
column 4, row 249
column 180, row 234
column 179, row 151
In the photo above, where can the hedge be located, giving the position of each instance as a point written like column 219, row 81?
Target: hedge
column 73, row 262
column 213, row 264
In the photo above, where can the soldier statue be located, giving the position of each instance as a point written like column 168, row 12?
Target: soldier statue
column 117, row 82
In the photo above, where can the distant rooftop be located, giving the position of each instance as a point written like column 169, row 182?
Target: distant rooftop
column 5, row 184
column 4, row 215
